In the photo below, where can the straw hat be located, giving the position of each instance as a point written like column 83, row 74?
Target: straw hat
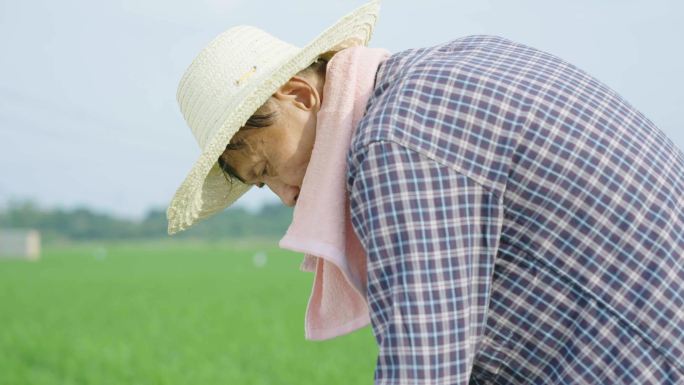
column 226, row 83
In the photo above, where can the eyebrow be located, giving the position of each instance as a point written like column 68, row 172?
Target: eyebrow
column 239, row 144
column 231, row 171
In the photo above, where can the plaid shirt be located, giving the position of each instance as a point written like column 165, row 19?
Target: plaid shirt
column 524, row 224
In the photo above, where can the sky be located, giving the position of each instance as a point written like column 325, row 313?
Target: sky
column 88, row 111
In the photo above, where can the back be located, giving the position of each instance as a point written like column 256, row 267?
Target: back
column 587, row 283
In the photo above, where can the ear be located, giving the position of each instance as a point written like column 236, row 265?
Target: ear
column 299, row 91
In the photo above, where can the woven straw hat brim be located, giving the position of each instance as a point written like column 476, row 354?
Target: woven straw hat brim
column 206, row 190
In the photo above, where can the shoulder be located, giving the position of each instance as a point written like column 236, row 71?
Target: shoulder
column 466, row 102
column 422, row 98
column 418, row 83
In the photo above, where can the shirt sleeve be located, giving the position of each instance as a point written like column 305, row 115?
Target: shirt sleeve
column 430, row 235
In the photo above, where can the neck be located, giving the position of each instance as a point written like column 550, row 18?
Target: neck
column 319, row 84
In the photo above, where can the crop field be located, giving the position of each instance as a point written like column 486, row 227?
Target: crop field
column 168, row 312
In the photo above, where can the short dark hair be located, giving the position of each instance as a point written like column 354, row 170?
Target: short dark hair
column 267, row 114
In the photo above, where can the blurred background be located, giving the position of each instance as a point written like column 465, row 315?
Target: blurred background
column 93, row 146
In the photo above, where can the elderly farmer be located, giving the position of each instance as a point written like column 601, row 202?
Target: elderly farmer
column 495, row 213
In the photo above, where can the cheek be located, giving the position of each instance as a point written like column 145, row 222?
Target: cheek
column 294, row 172
column 295, row 167
column 296, row 149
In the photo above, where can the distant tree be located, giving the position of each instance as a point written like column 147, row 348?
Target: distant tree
column 85, row 224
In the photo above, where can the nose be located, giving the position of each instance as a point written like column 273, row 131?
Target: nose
column 287, row 193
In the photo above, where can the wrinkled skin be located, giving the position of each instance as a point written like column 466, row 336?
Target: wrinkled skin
column 277, row 156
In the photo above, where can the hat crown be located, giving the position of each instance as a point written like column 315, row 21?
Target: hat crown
column 223, row 73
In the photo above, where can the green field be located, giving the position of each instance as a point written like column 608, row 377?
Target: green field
column 168, row 313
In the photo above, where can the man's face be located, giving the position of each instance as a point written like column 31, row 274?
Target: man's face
column 278, row 155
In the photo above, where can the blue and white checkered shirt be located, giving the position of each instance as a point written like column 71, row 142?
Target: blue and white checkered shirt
column 524, row 224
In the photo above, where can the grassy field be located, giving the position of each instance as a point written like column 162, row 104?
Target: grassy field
column 168, row 313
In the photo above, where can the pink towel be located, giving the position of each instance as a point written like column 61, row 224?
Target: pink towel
column 321, row 225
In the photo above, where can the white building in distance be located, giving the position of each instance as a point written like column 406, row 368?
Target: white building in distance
column 19, row 243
